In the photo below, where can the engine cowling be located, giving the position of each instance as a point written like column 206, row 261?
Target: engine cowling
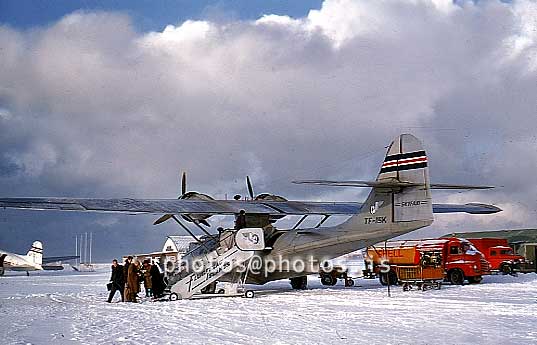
column 271, row 197
column 196, row 217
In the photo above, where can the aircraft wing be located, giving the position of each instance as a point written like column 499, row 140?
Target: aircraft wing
column 215, row 207
column 59, row 258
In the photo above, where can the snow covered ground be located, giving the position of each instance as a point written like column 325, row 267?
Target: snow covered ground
column 69, row 308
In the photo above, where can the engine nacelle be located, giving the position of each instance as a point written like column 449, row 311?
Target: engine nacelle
column 271, row 197
column 196, row 217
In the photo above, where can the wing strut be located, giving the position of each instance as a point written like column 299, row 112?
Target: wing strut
column 199, row 226
column 300, row 221
column 326, row 216
column 189, row 232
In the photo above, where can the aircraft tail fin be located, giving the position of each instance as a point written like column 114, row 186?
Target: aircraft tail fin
column 405, row 167
column 401, row 193
column 35, row 254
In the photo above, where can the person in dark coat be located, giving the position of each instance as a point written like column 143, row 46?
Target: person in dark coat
column 118, row 281
column 157, row 282
column 240, row 220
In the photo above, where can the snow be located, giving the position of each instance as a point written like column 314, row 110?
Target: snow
column 70, row 308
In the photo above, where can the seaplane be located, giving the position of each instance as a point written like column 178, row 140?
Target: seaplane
column 399, row 202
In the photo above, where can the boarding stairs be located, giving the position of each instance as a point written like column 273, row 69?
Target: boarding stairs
column 230, row 254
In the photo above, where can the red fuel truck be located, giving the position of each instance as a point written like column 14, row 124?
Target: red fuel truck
column 501, row 257
column 425, row 261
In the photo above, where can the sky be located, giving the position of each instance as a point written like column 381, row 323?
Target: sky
column 116, row 99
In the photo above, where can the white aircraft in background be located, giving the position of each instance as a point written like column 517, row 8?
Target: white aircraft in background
column 32, row 261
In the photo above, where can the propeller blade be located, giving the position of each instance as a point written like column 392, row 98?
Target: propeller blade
column 183, row 183
column 163, row 219
column 250, row 189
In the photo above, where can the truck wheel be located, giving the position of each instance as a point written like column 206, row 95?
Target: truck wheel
column 249, row 294
column 349, row 282
column 299, row 283
column 456, row 277
column 2, row 270
column 475, row 280
column 506, row 269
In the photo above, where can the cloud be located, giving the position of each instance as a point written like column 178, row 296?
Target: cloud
column 90, row 107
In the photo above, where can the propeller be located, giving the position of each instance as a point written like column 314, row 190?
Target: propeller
column 264, row 197
column 163, row 219
column 250, row 189
column 183, row 183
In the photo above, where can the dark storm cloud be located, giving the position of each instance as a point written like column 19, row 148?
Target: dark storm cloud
column 89, row 107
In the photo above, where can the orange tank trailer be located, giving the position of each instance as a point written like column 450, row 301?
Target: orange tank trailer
column 452, row 259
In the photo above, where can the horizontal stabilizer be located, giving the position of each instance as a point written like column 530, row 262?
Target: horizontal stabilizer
column 458, row 186
column 60, row 258
column 386, row 184
column 472, row 208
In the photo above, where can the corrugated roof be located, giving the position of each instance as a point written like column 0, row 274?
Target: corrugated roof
column 181, row 242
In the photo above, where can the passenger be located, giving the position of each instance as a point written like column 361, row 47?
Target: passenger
column 133, row 282
column 240, row 220
column 126, row 293
column 117, row 280
column 147, row 278
column 156, row 281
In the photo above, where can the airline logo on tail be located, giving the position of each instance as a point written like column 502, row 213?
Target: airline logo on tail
column 404, row 161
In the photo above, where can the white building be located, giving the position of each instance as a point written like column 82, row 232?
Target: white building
column 173, row 250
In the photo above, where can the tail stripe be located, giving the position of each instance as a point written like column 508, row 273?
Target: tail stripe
column 404, row 161
column 405, row 155
column 36, row 250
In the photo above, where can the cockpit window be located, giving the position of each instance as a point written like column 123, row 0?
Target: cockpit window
column 454, row 250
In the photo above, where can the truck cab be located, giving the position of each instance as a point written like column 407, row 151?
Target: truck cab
column 464, row 261
column 501, row 256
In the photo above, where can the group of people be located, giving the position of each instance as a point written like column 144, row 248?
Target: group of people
column 127, row 279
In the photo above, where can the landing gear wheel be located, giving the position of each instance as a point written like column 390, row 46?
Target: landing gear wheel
column 328, row 280
column 456, row 277
column 299, row 283
column 174, row 297
column 349, row 282
column 249, row 294
column 506, row 269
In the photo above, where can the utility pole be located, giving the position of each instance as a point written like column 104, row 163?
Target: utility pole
column 389, row 268
column 90, row 242
column 76, row 248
